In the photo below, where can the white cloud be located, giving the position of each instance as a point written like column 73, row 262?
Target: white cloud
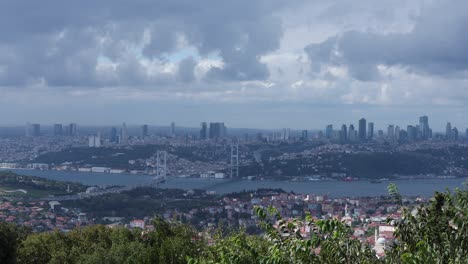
column 390, row 53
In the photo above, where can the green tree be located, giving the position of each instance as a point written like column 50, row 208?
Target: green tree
column 168, row 243
column 10, row 238
column 437, row 233
column 394, row 194
column 330, row 242
column 237, row 247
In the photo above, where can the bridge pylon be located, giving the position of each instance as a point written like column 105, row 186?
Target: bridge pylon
column 234, row 159
column 161, row 165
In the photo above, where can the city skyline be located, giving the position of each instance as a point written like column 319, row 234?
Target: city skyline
column 367, row 126
column 139, row 131
column 279, row 63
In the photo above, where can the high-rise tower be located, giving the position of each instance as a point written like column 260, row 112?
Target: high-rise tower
column 114, row 137
column 58, row 130
column 412, row 133
column 203, row 131
column 27, row 130
column 391, row 133
column 424, row 127
column 124, row 134
column 362, row 130
column 448, row 130
column 36, row 130
column 72, row 129
column 344, row 133
column 352, row 133
column 370, row 131
column 172, row 129
column 144, row 131
column 234, row 159
column 329, row 131
column 217, row 130
column 455, row 133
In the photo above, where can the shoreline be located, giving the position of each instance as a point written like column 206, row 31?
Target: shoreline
column 362, row 188
column 257, row 178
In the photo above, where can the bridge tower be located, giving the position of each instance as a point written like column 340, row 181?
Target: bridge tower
column 161, row 165
column 234, row 159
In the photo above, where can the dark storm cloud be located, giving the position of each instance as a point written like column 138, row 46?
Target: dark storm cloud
column 59, row 43
column 436, row 45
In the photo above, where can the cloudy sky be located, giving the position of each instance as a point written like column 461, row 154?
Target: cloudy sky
column 249, row 63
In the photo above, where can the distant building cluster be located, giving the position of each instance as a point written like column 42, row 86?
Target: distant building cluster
column 95, row 141
column 216, row 130
column 367, row 217
column 34, row 130
column 393, row 134
column 362, row 133
column 42, row 216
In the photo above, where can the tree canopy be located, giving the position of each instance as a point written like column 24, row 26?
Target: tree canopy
column 436, row 233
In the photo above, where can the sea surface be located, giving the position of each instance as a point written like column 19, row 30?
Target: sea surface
column 414, row 187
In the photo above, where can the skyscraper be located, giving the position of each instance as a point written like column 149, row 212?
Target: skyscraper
column 455, row 133
column 217, row 130
column 370, row 131
column 94, row 141
column 362, row 130
column 352, row 133
column 114, row 138
column 72, row 129
column 58, row 130
column 172, row 129
column 403, row 135
column 424, row 127
column 123, row 134
column 305, row 135
column 144, row 131
column 448, row 130
column 329, row 131
column 344, row 133
column 203, row 131
column 27, row 130
column 380, row 134
column 397, row 134
column 246, row 137
column 36, row 130
column 285, row 134
column 391, row 133
column 412, row 133
column 418, row 132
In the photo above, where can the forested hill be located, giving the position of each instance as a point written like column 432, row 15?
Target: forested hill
column 35, row 186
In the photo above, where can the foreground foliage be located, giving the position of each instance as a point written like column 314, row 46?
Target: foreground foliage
column 436, row 233
column 169, row 243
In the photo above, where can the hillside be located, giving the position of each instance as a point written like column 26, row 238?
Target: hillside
column 437, row 233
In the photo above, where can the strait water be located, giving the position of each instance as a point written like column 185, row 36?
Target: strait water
column 415, row 187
